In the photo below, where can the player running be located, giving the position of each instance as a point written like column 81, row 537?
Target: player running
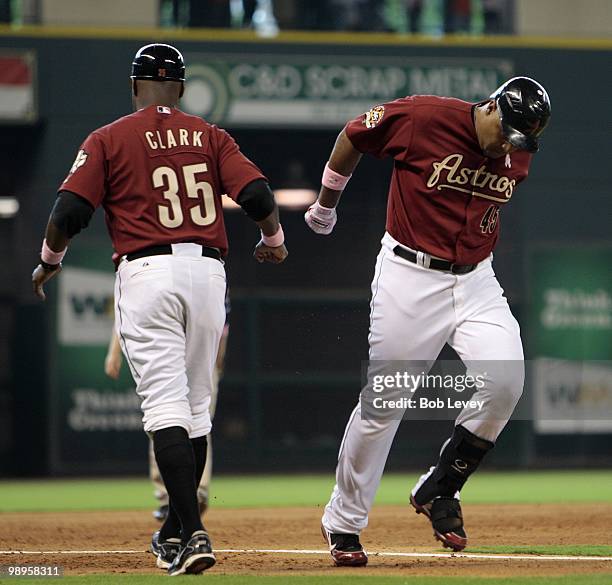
column 456, row 164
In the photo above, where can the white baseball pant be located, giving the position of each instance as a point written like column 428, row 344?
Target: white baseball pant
column 414, row 311
column 170, row 315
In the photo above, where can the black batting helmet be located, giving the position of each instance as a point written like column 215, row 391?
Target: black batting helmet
column 524, row 109
column 158, row 62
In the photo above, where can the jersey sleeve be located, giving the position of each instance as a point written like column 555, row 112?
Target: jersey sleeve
column 236, row 171
column 87, row 177
column 384, row 130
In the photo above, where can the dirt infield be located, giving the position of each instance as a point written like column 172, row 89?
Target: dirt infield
column 392, row 529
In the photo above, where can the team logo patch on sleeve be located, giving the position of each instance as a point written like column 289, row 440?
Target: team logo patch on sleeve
column 373, row 116
column 79, row 161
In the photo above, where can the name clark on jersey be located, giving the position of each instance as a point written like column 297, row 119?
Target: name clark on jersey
column 162, row 141
column 458, row 175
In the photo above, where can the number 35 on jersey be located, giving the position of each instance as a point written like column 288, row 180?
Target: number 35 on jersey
column 170, row 214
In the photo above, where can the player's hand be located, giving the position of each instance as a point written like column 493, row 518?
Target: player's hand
column 40, row 276
column 321, row 220
column 274, row 255
column 112, row 365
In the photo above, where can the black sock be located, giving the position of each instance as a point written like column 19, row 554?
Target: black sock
column 171, row 528
column 199, row 452
column 175, row 459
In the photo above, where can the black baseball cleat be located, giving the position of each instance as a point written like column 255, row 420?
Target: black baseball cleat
column 165, row 551
column 196, row 556
column 446, row 519
column 345, row 549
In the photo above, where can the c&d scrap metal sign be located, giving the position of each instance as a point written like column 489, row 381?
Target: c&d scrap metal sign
column 324, row 91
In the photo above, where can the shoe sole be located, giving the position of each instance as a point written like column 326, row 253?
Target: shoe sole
column 359, row 560
column 351, row 561
column 158, row 561
column 196, row 564
column 449, row 539
column 162, row 564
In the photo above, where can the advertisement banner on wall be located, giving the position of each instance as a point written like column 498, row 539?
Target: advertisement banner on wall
column 570, row 333
column 323, row 91
column 572, row 396
column 96, row 421
column 17, row 86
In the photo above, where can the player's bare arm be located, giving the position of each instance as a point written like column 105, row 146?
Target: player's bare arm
column 113, row 360
column 269, row 249
column 69, row 215
column 220, row 361
column 321, row 217
column 257, row 201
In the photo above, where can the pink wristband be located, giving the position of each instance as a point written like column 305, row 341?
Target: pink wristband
column 278, row 239
column 333, row 180
column 49, row 256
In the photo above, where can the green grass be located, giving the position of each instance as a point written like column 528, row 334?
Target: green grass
column 302, row 490
column 213, row 579
column 575, row 550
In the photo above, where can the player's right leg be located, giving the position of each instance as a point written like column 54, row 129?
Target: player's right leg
column 201, row 282
column 411, row 316
column 206, row 313
column 159, row 489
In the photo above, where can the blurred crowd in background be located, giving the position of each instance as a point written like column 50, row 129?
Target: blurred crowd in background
column 431, row 17
column 401, row 16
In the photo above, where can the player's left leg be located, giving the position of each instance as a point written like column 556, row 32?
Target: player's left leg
column 487, row 339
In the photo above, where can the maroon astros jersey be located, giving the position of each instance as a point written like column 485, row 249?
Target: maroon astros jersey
column 159, row 174
column 445, row 195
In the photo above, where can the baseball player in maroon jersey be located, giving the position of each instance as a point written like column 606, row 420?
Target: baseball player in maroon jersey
column 456, row 164
column 159, row 175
